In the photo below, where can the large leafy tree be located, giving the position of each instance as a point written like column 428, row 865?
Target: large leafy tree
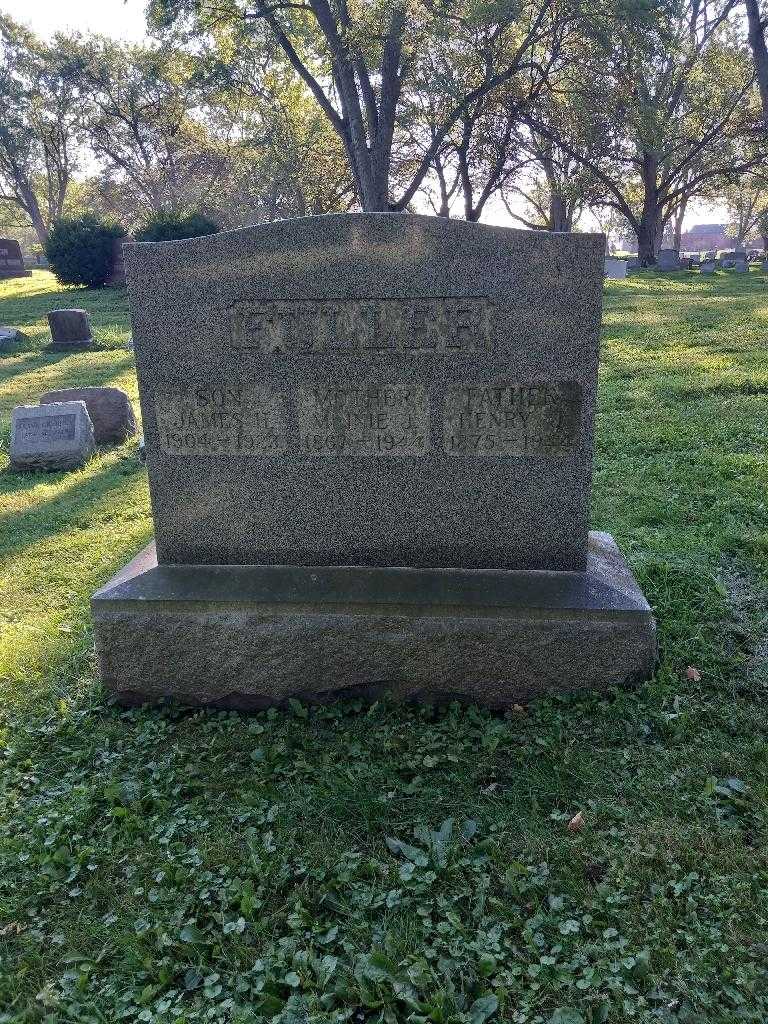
column 746, row 200
column 672, row 92
column 146, row 122
column 366, row 64
column 557, row 185
column 39, row 125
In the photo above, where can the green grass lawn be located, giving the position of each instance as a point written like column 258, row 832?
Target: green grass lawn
column 383, row 863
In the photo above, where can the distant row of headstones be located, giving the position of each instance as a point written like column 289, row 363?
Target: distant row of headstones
column 670, row 259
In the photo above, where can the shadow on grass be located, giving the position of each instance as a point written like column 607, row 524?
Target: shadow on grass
column 68, row 375
column 68, row 506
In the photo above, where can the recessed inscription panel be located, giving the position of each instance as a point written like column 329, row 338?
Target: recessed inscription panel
column 222, row 420
column 387, row 419
column 512, row 419
column 47, row 428
column 363, row 325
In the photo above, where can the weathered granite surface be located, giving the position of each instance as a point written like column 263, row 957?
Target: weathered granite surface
column 56, row 436
column 369, row 389
column 109, row 408
column 70, row 328
column 250, row 636
column 707, row 266
column 11, row 259
column 116, row 278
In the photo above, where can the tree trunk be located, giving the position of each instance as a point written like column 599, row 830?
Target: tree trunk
column 759, row 51
column 649, row 228
column 31, row 207
column 558, row 212
column 678, row 230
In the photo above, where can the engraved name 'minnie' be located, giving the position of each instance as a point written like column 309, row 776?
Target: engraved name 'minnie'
column 389, row 419
column 363, row 325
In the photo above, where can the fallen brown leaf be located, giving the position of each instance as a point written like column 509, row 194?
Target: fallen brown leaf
column 576, row 822
column 693, row 674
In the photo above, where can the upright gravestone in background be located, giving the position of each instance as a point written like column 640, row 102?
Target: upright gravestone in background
column 728, row 260
column 70, row 329
column 369, row 444
column 11, row 260
column 669, row 259
column 615, row 269
column 116, row 277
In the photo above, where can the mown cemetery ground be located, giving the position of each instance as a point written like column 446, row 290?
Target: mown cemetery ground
column 381, row 863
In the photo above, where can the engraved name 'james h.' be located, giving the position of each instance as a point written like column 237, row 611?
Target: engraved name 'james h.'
column 360, row 325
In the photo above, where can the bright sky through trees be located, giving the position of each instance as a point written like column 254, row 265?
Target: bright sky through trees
column 125, row 20
column 121, row 19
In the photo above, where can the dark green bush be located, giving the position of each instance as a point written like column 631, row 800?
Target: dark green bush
column 80, row 249
column 164, row 227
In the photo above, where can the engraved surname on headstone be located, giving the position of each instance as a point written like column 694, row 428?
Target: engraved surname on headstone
column 48, row 428
column 512, row 419
column 222, row 420
column 358, row 325
column 386, row 419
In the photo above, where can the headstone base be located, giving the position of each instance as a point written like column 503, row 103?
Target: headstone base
column 249, row 636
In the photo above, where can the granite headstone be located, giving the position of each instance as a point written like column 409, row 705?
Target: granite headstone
column 369, row 446
column 116, row 277
column 8, row 337
column 668, row 259
column 70, row 329
column 729, row 259
column 52, row 437
column 109, row 408
column 11, row 259
column 372, row 413
column 615, row 269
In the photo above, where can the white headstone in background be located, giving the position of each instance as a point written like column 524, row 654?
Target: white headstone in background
column 615, row 269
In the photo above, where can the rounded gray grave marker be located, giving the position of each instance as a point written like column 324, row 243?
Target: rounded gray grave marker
column 109, row 408
column 70, row 328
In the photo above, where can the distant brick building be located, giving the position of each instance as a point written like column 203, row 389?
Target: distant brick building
column 703, row 237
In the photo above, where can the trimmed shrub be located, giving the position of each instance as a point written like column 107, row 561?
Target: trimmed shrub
column 165, row 227
column 80, row 249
